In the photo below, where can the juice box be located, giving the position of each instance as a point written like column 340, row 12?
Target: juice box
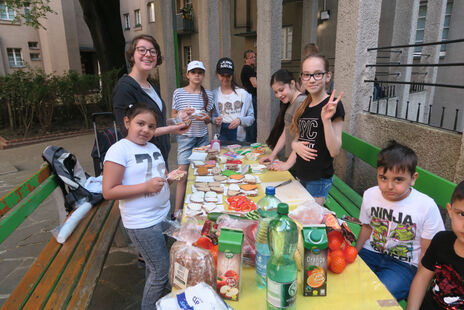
column 315, row 260
column 229, row 263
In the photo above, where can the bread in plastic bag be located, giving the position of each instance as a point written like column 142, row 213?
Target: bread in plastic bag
column 201, row 297
column 249, row 228
column 190, row 265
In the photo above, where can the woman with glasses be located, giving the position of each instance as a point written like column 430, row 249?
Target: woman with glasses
column 199, row 102
column 317, row 126
column 233, row 105
column 144, row 55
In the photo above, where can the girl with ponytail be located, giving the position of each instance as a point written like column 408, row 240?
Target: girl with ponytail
column 317, row 126
column 195, row 100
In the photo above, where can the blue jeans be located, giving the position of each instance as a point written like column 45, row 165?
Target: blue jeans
column 227, row 134
column 185, row 144
column 252, row 131
column 394, row 274
column 151, row 245
column 318, row 188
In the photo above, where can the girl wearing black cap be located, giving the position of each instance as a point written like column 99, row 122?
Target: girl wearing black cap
column 233, row 105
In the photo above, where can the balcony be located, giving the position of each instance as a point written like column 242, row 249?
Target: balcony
column 184, row 25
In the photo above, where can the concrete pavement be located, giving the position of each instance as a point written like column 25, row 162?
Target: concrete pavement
column 121, row 283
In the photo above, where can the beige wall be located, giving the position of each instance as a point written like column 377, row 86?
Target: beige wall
column 438, row 151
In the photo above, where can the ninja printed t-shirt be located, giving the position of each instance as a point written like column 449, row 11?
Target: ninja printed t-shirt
column 398, row 226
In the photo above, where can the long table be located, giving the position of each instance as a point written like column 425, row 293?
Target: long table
column 357, row 287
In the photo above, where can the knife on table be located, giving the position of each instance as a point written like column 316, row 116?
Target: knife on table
column 283, row 183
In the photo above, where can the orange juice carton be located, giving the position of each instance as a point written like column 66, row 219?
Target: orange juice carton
column 229, row 263
column 315, row 260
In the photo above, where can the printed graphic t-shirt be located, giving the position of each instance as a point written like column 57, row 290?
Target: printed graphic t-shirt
column 398, row 226
column 141, row 163
column 312, row 131
column 230, row 106
column 447, row 288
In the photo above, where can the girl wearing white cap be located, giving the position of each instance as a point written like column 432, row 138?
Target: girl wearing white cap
column 198, row 102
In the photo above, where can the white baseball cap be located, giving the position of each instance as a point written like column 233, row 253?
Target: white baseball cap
column 195, row 64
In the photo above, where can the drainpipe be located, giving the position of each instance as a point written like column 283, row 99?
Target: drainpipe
column 176, row 60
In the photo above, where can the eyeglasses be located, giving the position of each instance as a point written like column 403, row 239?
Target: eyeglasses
column 142, row 50
column 307, row 76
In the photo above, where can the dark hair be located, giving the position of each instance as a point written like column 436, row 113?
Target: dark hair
column 458, row 193
column 205, row 98
column 131, row 50
column 283, row 76
column 397, row 156
column 245, row 54
column 135, row 109
column 294, row 128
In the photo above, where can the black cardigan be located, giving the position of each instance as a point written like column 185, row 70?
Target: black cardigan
column 128, row 91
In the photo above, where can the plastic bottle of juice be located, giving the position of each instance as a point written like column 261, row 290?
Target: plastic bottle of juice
column 281, row 268
column 267, row 206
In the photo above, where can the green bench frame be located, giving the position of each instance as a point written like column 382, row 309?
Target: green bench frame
column 63, row 276
column 343, row 200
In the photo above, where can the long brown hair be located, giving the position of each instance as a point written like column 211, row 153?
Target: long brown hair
column 294, row 128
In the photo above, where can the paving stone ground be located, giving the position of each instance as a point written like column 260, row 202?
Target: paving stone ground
column 120, row 286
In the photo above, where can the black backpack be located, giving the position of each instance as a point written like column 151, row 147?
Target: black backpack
column 71, row 176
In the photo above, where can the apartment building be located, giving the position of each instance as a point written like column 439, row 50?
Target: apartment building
column 65, row 43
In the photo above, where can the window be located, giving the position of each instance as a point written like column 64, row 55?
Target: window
column 151, row 12
column 27, row 13
column 187, row 55
column 287, row 36
column 126, row 21
column 6, row 13
column 14, row 57
column 446, row 24
column 138, row 23
column 420, row 28
column 33, row 45
column 35, row 56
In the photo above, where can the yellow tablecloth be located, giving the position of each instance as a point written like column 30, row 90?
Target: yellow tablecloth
column 357, row 287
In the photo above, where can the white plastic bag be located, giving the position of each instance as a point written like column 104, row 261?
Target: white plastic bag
column 309, row 213
column 201, row 297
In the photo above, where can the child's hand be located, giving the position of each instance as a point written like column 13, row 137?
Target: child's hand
column 177, row 175
column 329, row 109
column 203, row 117
column 303, row 150
column 218, row 121
column 267, row 159
column 155, row 185
column 235, row 123
column 180, row 129
column 279, row 166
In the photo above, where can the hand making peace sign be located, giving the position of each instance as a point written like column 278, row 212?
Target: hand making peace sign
column 329, row 109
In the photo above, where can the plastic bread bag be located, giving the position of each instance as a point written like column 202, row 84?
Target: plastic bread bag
column 190, row 265
column 249, row 228
column 201, row 297
column 309, row 213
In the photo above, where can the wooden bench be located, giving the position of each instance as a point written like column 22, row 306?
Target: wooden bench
column 343, row 200
column 64, row 275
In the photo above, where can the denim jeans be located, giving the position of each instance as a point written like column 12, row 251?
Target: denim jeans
column 227, row 134
column 318, row 188
column 185, row 144
column 151, row 245
column 394, row 274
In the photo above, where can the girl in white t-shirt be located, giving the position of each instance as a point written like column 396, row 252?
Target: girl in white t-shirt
column 195, row 100
column 233, row 105
column 135, row 174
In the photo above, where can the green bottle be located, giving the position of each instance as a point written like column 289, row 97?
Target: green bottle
column 282, row 270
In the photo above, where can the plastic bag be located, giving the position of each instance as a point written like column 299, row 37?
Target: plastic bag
column 309, row 213
column 201, row 296
column 63, row 231
column 190, row 265
column 249, row 228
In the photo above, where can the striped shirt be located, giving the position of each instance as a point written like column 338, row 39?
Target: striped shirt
column 181, row 100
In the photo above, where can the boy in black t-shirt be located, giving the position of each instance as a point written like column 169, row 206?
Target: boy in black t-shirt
column 443, row 263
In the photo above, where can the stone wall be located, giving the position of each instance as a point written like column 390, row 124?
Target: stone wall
column 438, row 151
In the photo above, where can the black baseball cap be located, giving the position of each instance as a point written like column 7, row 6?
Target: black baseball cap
column 225, row 66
